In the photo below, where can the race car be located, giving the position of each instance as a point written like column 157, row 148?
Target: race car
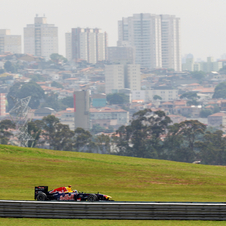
column 61, row 194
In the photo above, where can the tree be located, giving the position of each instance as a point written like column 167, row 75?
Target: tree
column 68, row 102
column 35, row 130
column 190, row 130
column 220, row 90
column 102, row 143
column 49, row 128
column 212, row 149
column 57, row 85
column 82, row 141
column 56, row 58
column 173, row 145
column 189, row 95
column 156, row 97
column 62, row 138
column 142, row 138
column 52, row 101
column 8, row 66
column 204, row 113
column 223, row 70
column 200, row 75
column 22, row 90
column 5, row 134
column 117, row 98
column 193, row 97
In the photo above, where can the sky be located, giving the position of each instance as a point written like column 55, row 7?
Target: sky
column 203, row 22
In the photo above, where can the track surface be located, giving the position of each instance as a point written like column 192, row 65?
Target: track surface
column 114, row 210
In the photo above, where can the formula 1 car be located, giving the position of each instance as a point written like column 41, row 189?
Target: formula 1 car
column 61, row 194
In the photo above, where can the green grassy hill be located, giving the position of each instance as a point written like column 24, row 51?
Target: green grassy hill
column 124, row 178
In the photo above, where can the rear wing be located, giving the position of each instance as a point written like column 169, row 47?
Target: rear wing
column 38, row 189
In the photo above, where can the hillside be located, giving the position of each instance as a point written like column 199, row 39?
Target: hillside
column 124, row 178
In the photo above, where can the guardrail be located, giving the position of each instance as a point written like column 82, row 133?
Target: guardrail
column 113, row 210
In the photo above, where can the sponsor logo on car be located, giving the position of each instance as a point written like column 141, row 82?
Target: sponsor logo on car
column 67, row 197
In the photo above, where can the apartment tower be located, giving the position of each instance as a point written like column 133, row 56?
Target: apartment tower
column 120, row 76
column 143, row 31
column 40, row 38
column 88, row 44
column 171, row 50
column 156, row 39
column 9, row 43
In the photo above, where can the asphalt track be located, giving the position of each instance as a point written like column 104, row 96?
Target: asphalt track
column 113, row 210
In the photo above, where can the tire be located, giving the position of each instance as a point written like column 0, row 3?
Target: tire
column 92, row 198
column 41, row 196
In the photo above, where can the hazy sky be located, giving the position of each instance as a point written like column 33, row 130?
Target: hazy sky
column 203, row 22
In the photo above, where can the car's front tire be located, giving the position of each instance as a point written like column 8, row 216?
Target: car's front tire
column 41, row 196
column 92, row 198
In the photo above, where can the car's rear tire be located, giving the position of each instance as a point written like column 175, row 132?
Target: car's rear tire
column 92, row 198
column 41, row 196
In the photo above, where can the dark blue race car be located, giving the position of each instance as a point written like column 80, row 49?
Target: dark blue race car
column 61, row 194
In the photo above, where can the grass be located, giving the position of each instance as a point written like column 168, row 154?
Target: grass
column 51, row 222
column 124, row 178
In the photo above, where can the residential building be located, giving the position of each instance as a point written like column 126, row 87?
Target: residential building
column 2, row 104
column 166, row 93
column 120, row 76
column 88, row 44
column 217, row 119
column 40, row 38
column 106, row 113
column 171, row 47
column 143, row 31
column 68, row 53
column 132, row 76
column 114, row 78
column 208, row 66
column 9, row 43
column 121, row 54
column 156, row 39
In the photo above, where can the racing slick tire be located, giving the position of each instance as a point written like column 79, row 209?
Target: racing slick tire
column 92, row 198
column 41, row 196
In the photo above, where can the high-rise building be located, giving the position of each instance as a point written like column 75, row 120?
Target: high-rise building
column 2, row 104
column 171, row 52
column 156, row 39
column 121, row 54
column 114, row 78
column 9, row 43
column 88, row 44
column 40, row 38
column 120, row 76
column 68, row 45
column 143, row 31
column 81, row 109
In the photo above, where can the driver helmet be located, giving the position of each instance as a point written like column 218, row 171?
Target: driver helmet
column 69, row 186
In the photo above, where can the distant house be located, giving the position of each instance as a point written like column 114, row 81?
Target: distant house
column 120, row 115
column 99, row 100
column 44, row 112
column 217, row 119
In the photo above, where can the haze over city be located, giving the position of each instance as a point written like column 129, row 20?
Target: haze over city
column 202, row 22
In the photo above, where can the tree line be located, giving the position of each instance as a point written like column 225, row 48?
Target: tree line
column 148, row 135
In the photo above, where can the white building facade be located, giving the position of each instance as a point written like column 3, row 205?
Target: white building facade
column 171, row 48
column 156, row 39
column 120, row 76
column 88, row 44
column 114, row 78
column 40, row 38
column 9, row 43
column 68, row 53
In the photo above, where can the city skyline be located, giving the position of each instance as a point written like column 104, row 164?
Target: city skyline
column 202, row 32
